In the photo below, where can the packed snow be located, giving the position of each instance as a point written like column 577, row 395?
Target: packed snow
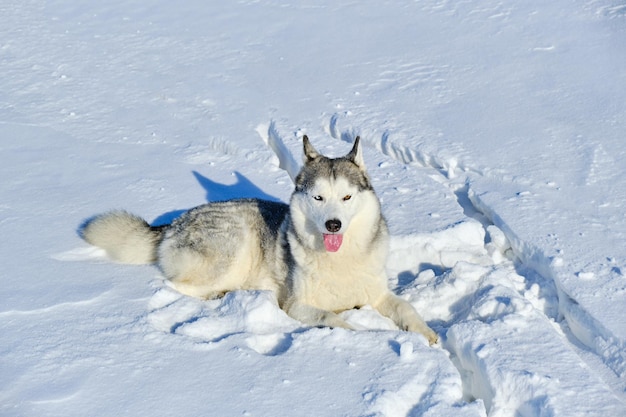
column 493, row 134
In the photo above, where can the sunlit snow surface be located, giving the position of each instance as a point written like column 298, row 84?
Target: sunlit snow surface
column 494, row 136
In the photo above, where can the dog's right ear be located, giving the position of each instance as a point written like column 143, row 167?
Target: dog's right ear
column 310, row 153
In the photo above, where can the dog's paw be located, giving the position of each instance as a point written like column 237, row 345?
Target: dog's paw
column 424, row 330
column 333, row 320
column 433, row 338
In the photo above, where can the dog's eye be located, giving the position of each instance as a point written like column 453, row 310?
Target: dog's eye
column 347, row 197
column 318, row 198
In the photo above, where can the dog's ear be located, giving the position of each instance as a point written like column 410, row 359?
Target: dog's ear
column 310, row 153
column 356, row 154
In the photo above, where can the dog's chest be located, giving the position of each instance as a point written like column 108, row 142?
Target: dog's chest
column 342, row 284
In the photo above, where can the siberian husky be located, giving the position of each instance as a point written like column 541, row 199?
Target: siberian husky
column 321, row 254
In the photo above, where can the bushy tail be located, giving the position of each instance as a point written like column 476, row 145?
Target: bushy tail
column 125, row 237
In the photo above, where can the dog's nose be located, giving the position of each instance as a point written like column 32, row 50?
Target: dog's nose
column 333, row 225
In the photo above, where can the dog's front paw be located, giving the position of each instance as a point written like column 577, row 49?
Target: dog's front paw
column 425, row 331
column 333, row 320
column 433, row 338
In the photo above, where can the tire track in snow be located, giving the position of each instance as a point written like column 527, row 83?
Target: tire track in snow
column 538, row 292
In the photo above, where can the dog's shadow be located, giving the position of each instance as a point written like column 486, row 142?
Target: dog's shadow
column 242, row 188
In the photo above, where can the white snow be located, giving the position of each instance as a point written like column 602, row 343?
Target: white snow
column 494, row 136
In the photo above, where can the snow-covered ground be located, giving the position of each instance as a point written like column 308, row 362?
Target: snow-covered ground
column 494, row 135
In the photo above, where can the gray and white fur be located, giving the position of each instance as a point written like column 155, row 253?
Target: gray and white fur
column 321, row 254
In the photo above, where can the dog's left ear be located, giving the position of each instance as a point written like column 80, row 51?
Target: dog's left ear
column 356, row 154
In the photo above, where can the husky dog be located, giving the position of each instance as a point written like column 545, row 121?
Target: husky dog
column 323, row 253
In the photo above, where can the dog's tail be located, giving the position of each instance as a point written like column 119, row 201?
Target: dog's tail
column 126, row 238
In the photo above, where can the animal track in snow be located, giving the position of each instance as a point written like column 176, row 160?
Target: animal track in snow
column 206, row 153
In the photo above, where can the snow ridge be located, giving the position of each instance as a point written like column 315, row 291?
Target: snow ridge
column 272, row 139
column 583, row 326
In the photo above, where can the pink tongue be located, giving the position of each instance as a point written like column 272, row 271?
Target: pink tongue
column 332, row 242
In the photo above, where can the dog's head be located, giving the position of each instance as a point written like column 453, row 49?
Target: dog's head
column 331, row 195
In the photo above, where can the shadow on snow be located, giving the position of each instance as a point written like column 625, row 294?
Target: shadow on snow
column 242, row 188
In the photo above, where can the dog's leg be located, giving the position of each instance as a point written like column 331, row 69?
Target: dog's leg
column 404, row 315
column 317, row 317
